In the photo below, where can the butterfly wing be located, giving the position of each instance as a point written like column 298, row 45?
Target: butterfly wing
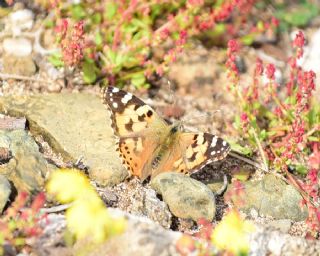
column 191, row 152
column 137, row 126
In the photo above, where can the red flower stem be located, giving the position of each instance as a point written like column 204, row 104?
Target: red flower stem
column 294, row 182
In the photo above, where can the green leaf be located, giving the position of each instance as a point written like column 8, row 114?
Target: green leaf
column 271, row 133
column 237, row 122
column 314, row 116
column 96, row 18
column 19, row 241
column 241, row 149
column 120, row 60
column 56, row 60
column 110, row 10
column 77, row 12
column 219, row 29
column 300, row 16
column 1, row 241
column 263, row 135
column 89, row 73
column 111, row 56
column 247, row 39
column 313, row 139
column 301, row 169
column 48, row 23
column 138, row 80
column 98, row 39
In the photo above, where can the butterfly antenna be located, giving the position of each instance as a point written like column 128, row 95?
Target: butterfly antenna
column 172, row 97
column 201, row 116
column 224, row 186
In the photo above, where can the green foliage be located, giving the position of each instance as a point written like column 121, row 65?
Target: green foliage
column 124, row 35
column 21, row 221
column 89, row 71
column 56, row 60
column 298, row 16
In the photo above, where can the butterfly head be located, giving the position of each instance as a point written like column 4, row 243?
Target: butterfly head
column 176, row 127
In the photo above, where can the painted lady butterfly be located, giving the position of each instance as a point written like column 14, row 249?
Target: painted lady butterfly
column 149, row 146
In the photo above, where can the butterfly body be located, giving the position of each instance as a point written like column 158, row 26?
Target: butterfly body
column 169, row 140
column 148, row 145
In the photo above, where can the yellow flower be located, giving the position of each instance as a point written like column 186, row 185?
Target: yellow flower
column 68, row 185
column 231, row 234
column 87, row 215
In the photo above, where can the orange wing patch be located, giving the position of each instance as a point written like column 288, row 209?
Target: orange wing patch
column 135, row 153
column 192, row 152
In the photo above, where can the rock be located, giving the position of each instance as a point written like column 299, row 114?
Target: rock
column 141, row 237
column 21, row 20
column 12, row 123
column 54, row 87
column 272, row 197
column 19, row 47
column 54, row 226
column 134, row 198
column 27, row 168
column 5, row 191
column 74, row 125
column 157, row 210
column 281, row 225
column 264, row 242
column 24, row 66
column 216, row 184
column 189, row 71
column 186, row 197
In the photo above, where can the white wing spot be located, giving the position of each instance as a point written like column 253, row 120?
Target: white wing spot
column 213, row 152
column 115, row 104
column 111, row 99
column 111, row 94
column 115, row 89
column 126, row 98
column 224, row 143
column 213, row 142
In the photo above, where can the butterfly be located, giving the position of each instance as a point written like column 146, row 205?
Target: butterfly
column 148, row 145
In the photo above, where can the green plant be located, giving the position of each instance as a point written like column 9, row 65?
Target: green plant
column 121, row 42
column 284, row 129
column 20, row 223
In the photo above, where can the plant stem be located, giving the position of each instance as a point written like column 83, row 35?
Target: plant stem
column 260, row 148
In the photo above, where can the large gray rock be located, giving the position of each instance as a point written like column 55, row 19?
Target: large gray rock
column 186, row 197
column 5, row 191
column 27, row 168
column 74, row 125
column 272, row 197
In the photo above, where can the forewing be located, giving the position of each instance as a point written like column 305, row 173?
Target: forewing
column 137, row 126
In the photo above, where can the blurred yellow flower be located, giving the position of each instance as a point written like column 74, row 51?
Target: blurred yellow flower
column 87, row 216
column 68, row 185
column 231, row 234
